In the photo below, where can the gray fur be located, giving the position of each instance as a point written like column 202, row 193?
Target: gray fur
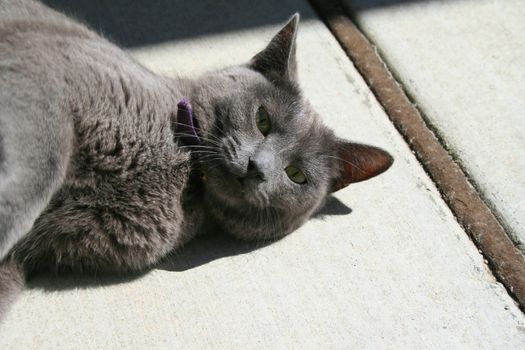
column 93, row 176
column 11, row 283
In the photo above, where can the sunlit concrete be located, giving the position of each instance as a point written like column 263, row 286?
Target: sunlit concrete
column 463, row 62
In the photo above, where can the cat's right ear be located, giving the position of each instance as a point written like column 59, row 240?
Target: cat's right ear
column 357, row 162
column 277, row 61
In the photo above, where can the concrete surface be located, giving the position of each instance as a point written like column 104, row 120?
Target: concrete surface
column 395, row 272
column 464, row 64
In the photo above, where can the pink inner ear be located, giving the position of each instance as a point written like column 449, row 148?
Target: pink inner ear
column 359, row 162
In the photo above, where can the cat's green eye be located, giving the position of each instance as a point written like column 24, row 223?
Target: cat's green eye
column 295, row 174
column 262, row 119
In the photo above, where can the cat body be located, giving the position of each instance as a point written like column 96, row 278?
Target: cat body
column 113, row 165
column 94, row 175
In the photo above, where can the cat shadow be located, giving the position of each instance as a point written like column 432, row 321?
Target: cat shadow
column 205, row 249
column 198, row 252
column 333, row 206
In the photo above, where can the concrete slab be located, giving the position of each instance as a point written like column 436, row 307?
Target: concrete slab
column 396, row 272
column 463, row 63
column 507, row 262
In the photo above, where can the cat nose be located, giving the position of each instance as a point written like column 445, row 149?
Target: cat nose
column 260, row 165
column 254, row 170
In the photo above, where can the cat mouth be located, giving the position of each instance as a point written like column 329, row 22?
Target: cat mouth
column 224, row 184
column 252, row 193
column 234, row 189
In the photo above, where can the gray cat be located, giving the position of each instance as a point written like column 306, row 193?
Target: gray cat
column 100, row 169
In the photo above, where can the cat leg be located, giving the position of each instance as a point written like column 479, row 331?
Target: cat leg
column 35, row 145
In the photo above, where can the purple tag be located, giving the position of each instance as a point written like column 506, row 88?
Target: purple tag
column 186, row 124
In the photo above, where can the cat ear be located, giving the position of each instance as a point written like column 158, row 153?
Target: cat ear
column 357, row 162
column 277, row 60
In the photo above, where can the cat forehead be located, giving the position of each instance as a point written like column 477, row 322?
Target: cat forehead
column 308, row 135
column 246, row 89
column 284, row 103
column 248, row 80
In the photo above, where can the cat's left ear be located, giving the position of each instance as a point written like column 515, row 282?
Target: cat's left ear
column 357, row 162
column 277, row 61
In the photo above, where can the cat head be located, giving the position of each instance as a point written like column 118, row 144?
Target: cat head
column 268, row 161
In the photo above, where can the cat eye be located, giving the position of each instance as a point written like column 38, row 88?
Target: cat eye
column 262, row 119
column 295, row 174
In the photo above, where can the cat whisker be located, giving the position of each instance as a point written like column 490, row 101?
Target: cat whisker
column 268, row 223
column 200, row 146
column 260, row 223
column 207, row 152
column 344, row 161
column 201, row 151
column 213, row 142
column 210, row 161
column 216, row 127
column 208, row 135
column 275, row 223
column 205, row 155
